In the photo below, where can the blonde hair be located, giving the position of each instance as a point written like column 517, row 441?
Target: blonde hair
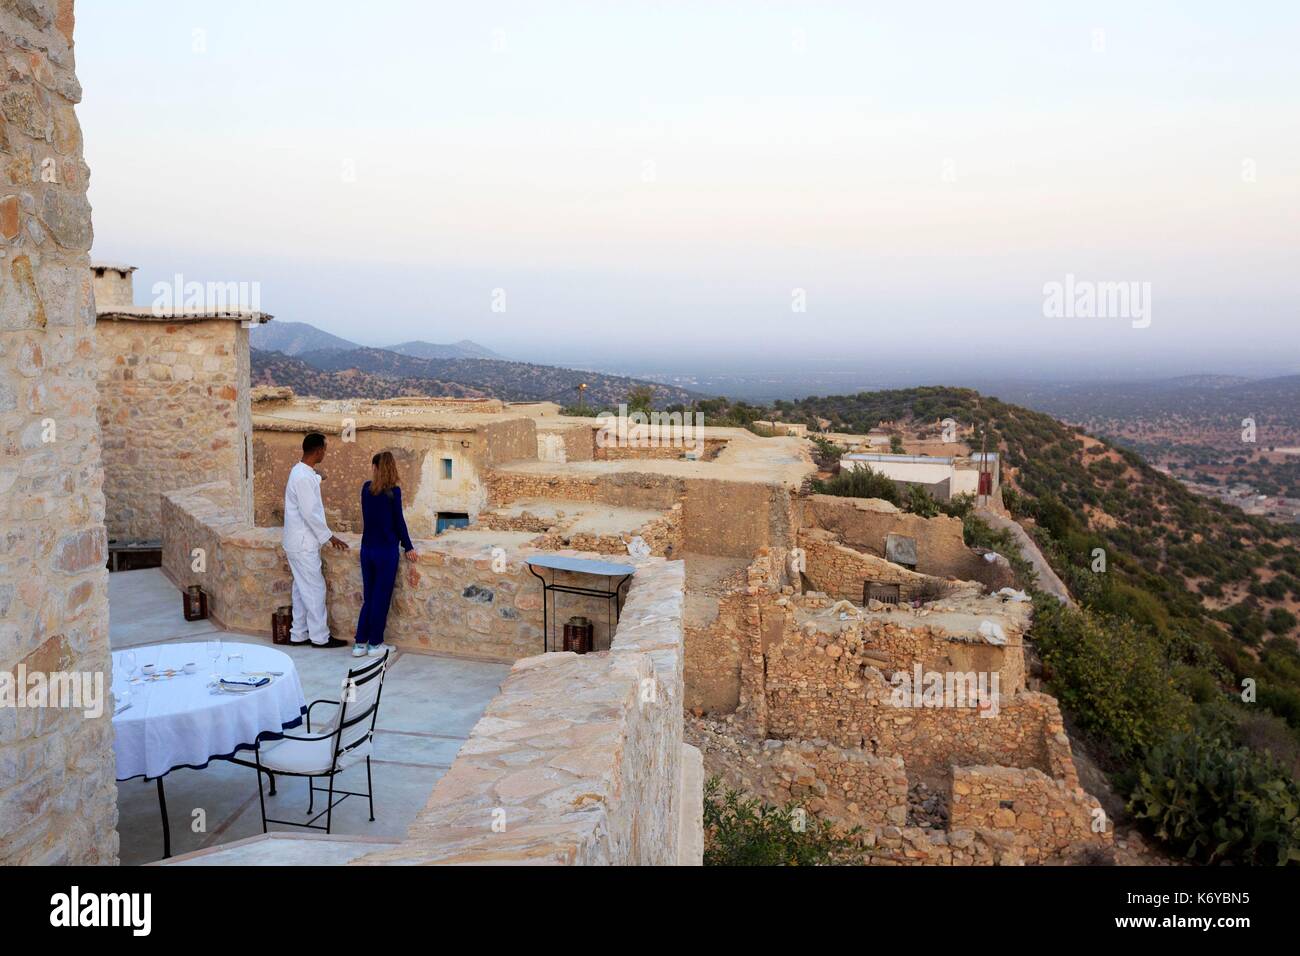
column 385, row 473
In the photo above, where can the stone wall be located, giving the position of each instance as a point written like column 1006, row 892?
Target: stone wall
column 708, row 449
column 626, row 489
column 663, row 534
column 578, row 760
column 737, row 518
column 419, row 454
column 834, row 569
column 566, row 443
column 864, row 524
column 1047, row 816
column 715, row 646
column 174, row 410
column 838, row 783
column 898, row 638
column 58, row 800
column 806, row 682
column 457, row 599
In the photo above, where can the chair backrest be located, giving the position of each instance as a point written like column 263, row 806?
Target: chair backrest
column 359, row 705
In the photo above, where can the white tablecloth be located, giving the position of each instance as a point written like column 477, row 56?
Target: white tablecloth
column 181, row 723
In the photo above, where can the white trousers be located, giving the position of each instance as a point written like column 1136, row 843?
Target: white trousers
column 309, row 618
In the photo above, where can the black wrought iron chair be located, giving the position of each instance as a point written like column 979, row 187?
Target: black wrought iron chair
column 342, row 742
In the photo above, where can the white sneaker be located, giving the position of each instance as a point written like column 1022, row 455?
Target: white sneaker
column 377, row 649
column 359, row 650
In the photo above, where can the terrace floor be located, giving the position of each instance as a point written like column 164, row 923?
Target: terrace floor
column 430, row 704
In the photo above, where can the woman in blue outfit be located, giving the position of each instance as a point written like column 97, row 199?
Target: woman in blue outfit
column 383, row 529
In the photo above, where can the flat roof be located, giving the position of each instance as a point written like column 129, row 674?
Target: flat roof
column 144, row 313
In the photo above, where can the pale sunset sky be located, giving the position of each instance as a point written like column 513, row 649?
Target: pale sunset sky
column 652, row 181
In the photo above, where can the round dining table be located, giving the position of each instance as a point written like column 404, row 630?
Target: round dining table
column 170, row 719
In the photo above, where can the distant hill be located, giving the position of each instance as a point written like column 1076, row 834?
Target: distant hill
column 1192, row 425
column 294, row 338
column 297, row 338
column 275, row 368
column 388, row 374
column 432, row 350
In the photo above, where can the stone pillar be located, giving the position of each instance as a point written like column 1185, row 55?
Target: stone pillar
column 58, row 800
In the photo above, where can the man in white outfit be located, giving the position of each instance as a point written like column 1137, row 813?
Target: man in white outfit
column 305, row 533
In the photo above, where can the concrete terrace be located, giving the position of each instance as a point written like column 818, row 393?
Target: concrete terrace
column 429, row 707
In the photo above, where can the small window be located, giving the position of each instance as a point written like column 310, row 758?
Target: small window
column 451, row 519
column 446, row 468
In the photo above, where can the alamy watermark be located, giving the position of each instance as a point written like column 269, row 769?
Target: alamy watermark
column 68, row 690
column 221, row 298
column 922, row 688
column 683, row 430
column 1084, row 299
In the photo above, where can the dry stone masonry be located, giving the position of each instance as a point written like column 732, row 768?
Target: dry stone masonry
column 58, row 799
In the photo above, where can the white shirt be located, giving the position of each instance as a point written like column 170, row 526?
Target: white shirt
column 304, row 512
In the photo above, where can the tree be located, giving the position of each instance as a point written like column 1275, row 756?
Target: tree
column 640, row 399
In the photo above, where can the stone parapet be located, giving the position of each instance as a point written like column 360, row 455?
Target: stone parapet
column 578, row 760
column 470, row 594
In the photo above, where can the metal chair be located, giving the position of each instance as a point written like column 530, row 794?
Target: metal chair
column 342, row 742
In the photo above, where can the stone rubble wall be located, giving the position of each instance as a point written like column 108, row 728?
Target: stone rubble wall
column 838, row 783
column 451, row 601
column 578, row 760
column 896, row 638
column 1047, row 817
column 173, row 407
column 811, row 684
column 841, row 571
column 940, row 545
column 920, row 846
column 58, row 799
column 663, row 534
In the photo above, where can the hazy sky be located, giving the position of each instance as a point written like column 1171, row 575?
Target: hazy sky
column 649, row 183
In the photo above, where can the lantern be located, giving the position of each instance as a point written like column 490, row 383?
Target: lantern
column 282, row 624
column 195, row 603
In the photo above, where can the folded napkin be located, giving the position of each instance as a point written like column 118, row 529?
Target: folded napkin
column 245, row 681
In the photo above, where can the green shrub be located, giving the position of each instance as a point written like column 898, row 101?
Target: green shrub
column 741, row 831
column 826, row 454
column 1216, row 803
column 859, row 483
column 920, row 502
column 1112, row 674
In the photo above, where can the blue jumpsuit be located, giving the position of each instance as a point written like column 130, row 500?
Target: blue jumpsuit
column 383, row 529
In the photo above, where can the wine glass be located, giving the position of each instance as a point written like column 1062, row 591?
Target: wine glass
column 132, row 665
column 235, row 661
column 214, row 652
